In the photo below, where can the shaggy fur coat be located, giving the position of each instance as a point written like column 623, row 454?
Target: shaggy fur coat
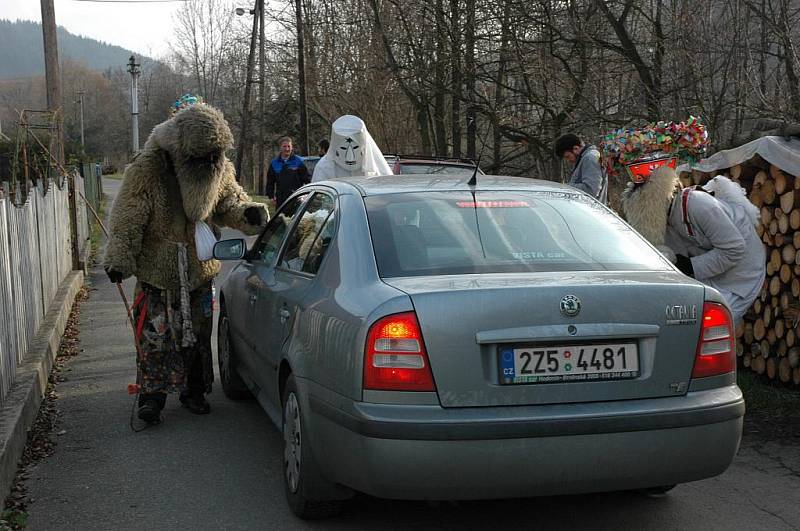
column 180, row 177
column 646, row 206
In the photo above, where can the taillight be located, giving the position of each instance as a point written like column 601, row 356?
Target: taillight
column 395, row 357
column 715, row 349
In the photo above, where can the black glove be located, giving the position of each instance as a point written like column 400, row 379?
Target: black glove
column 684, row 263
column 114, row 276
column 254, row 216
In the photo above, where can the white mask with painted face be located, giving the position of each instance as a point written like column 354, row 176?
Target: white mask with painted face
column 352, row 152
column 348, row 142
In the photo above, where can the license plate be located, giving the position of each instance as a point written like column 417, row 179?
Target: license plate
column 573, row 363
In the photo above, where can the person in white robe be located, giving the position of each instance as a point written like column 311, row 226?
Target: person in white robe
column 352, row 152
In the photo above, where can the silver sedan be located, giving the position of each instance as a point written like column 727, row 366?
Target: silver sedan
column 424, row 338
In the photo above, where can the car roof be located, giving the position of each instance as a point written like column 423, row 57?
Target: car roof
column 429, row 162
column 425, row 159
column 390, row 184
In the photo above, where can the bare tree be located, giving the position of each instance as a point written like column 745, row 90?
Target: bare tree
column 202, row 37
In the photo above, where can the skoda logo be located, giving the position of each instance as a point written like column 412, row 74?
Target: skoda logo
column 570, row 305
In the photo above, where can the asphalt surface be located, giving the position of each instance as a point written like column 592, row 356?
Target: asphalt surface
column 223, row 470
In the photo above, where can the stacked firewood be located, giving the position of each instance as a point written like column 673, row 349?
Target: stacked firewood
column 768, row 341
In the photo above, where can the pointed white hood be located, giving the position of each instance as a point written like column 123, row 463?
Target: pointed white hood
column 352, row 152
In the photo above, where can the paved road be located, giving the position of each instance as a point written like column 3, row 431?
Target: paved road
column 223, row 470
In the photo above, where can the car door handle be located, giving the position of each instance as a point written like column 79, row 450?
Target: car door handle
column 284, row 313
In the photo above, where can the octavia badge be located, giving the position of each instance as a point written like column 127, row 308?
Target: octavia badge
column 570, row 305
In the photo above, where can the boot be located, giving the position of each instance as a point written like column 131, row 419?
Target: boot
column 150, row 406
column 195, row 402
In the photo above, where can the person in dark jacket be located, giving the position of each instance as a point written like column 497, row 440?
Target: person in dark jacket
column 587, row 172
column 286, row 173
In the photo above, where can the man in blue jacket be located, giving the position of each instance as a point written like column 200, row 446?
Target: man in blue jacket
column 286, row 173
column 587, row 173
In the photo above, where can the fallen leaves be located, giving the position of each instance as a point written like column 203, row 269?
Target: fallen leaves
column 40, row 443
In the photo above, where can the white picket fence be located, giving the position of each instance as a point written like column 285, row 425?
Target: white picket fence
column 35, row 256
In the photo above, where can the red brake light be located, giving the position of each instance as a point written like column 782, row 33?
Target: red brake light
column 491, row 204
column 395, row 357
column 715, row 349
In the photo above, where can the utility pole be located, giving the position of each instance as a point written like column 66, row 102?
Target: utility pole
column 133, row 69
column 246, row 105
column 262, row 97
column 80, row 102
column 53, row 81
column 52, row 71
column 302, row 78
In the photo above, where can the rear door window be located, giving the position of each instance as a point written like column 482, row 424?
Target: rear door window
column 446, row 233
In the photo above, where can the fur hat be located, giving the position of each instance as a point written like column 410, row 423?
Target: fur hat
column 194, row 132
column 646, row 205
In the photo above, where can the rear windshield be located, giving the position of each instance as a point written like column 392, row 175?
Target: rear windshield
column 452, row 233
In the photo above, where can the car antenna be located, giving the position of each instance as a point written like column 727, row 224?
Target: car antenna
column 473, row 181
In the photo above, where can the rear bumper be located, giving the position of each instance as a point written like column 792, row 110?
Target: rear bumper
column 428, row 452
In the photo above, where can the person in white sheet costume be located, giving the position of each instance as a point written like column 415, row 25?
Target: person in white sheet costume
column 352, row 152
column 708, row 232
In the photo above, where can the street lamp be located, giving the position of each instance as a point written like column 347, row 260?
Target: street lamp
column 246, row 104
column 133, row 69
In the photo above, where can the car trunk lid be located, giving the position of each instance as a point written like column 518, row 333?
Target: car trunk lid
column 469, row 322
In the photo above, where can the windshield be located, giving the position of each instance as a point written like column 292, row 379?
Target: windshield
column 450, row 233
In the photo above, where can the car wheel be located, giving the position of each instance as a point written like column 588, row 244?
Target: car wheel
column 300, row 473
column 232, row 384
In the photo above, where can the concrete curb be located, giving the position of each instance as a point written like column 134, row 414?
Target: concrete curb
column 23, row 401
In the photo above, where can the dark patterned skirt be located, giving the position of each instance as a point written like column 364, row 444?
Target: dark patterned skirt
column 162, row 364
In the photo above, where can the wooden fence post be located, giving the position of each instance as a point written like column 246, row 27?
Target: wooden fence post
column 73, row 223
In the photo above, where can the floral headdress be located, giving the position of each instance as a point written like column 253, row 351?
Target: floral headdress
column 187, row 100
column 637, row 151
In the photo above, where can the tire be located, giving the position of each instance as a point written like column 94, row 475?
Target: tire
column 300, row 473
column 232, row 384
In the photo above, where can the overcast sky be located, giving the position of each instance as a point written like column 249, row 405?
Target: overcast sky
column 144, row 28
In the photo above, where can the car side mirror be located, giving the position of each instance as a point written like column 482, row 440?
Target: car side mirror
column 230, row 249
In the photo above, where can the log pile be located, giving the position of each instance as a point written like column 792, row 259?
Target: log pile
column 768, row 341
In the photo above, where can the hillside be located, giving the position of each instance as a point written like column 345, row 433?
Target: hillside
column 21, row 53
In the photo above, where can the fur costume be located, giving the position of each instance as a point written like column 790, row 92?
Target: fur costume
column 179, row 179
column 182, row 176
column 645, row 206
